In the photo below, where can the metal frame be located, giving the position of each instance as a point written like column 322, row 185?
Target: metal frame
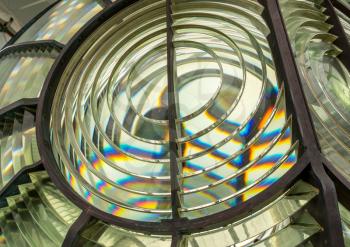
column 19, row 104
column 341, row 183
column 312, row 166
column 176, row 240
column 73, row 232
column 40, row 45
column 172, row 114
column 6, row 28
column 330, row 217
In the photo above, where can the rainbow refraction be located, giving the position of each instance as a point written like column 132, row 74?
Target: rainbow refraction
column 18, row 66
column 110, row 123
column 18, row 147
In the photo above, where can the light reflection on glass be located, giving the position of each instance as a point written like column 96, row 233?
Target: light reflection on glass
column 326, row 80
column 38, row 216
column 267, row 227
column 23, row 73
column 18, row 147
column 109, row 123
column 62, row 21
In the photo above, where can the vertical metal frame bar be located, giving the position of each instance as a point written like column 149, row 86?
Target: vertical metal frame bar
column 280, row 44
column 74, row 231
column 172, row 115
column 330, row 217
column 325, row 207
column 342, row 184
column 176, row 240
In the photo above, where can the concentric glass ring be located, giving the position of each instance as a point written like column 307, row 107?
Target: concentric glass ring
column 110, row 121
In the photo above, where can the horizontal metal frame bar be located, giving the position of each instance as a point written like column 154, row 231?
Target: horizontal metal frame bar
column 41, row 45
column 18, row 105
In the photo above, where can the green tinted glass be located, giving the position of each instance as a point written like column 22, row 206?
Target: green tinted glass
column 62, row 21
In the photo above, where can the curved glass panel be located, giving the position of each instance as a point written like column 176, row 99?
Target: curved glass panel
column 279, row 224
column 345, row 21
column 233, row 130
column 345, row 2
column 18, row 147
column 102, row 234
column 24, row 73
column 39, row 216
column 325, row 79
column 345, row 218
column 62, row 21
column 116, row 123
column 109, row 120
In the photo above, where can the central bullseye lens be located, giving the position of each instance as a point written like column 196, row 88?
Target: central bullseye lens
column 111, row 112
